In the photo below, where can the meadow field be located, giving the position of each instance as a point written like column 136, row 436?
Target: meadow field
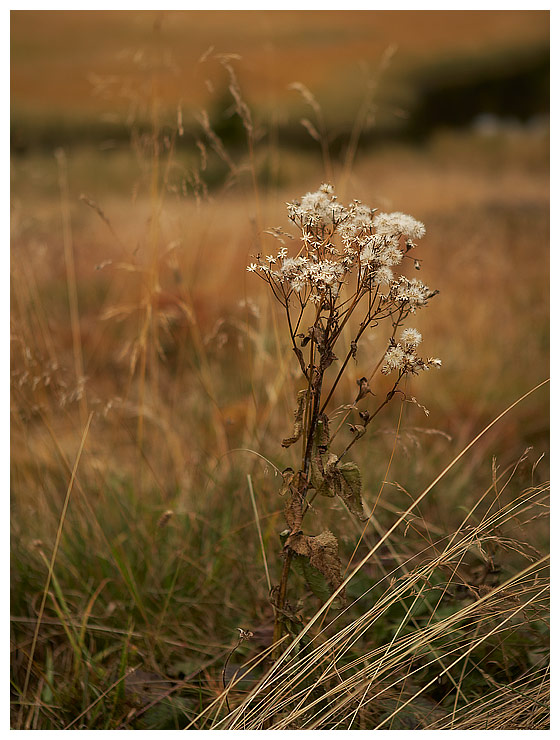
column 153, row 377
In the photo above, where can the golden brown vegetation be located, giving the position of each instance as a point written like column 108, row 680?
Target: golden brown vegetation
column 152, row 385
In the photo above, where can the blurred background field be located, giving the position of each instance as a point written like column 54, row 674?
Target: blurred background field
column 138, row 196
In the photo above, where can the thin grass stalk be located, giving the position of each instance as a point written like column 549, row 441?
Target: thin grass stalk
column 71, row 281
column 258, row 525
column 56, row 546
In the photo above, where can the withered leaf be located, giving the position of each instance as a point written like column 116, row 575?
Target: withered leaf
column 287, row 478
column 298, row 420
column 351, row 489
column 317, row 333
column 358, row 429
column 321, row 552
column 299, row 355
column 324, row 473
column 293, row 510
column 327, row 357
column 322, row 435
column 322, row 462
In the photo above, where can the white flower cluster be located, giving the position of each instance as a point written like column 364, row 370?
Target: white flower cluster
column 357, row 225
column 402, row 355
column 317, row 210
column 367, row 240
column 412, row 292
column 304, row 272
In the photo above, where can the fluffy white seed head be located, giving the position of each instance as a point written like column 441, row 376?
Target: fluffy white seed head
column 394, row 359
column 317, row 210
column 413, row 292
column 383, row 276
column 398, row 224
column 410, row 338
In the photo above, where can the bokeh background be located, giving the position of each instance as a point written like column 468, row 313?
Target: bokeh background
column 150, row 153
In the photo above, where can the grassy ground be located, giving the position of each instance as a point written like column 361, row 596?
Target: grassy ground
column 152, row 384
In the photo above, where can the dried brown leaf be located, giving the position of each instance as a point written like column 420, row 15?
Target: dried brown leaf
column 322, row 552
column 298, row 420
column 324, row 474
column 287, row 478
column 293, row 510
column 351, row 489
column 322, row 436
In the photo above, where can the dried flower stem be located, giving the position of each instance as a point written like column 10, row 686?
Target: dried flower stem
column 336, row 242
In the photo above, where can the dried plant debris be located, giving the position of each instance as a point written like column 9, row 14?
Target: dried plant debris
column 293, row 510
column 332, row 478
column 298, row 420
column 317, row 560
column 351, row 489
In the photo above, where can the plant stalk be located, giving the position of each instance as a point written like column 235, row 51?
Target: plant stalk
column 316, row 374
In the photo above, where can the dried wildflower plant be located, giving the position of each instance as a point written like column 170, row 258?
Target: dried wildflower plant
column 345, row 267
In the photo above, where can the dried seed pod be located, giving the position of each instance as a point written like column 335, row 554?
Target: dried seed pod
column 364, row 389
